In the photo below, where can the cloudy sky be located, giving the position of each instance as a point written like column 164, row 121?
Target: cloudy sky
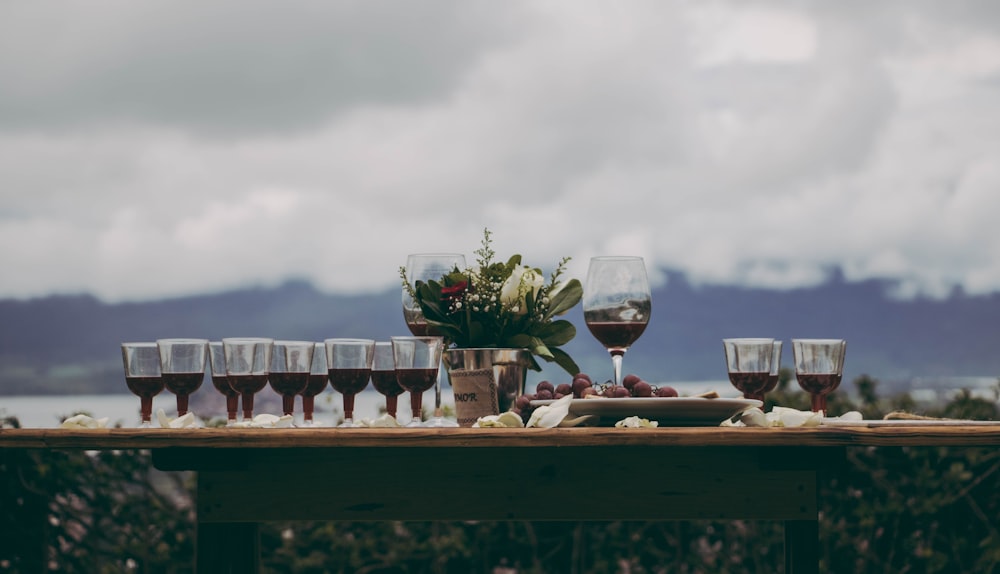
column 165, row 148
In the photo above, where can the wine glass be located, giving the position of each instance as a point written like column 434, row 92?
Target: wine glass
column 217, row 362
column 772, row 380
column 142, row 376
column 749, row 364
column 417, row 361
column 182, row 366
column 319, row 375
column 248, row 362
column 384, row 376
column 424, row 267
column 349, row 365
column 289, row 372
column 819, row 366
column 616, row 304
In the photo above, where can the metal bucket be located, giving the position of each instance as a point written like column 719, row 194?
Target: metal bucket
column 510, row 370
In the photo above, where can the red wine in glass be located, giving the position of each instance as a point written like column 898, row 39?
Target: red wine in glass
column 385, row 382
column 753, row 385
column 818, row 386
column 616, row 336
column 182, row 385
column 349, row 382
column 221, row 384
column 416, row 381
column 315, row 385
column 248, row 386
column 288, row 385
column 145, row 387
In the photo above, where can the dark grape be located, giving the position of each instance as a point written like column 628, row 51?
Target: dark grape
column 630, row 380
column 545, row 386
column 616, row 392
column 642, row 389
column 564, row 389
column 583, row 376
column 544, row 394
column 587, row 392
column 666, row 391
column 579, row 385
column 522, row 402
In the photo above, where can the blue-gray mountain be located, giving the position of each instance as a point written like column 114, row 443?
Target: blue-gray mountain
column 70, row 344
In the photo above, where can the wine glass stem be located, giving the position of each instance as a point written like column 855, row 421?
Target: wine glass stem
column 146, row 409
column 616, row 362
column 182, row 405
column 416, row 404
column 308, row 403
column 391, row 403
column 349, row 406
column 288, row 404
column 819, row 403
column 232, row 406
column 247, row 406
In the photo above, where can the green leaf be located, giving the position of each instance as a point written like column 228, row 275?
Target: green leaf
column 563, row 359
column 556, row 333
column 566, row 298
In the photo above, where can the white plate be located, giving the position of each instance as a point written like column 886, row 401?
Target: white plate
column 668, row 411
column 907, row 423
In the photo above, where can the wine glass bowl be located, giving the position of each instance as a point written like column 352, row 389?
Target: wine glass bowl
column 248, row 362
column 748, row 362
column 819, row 367
column 417, row 360
column 616, row 304
column 384, row 376
column 143, row 376
column 291, row 362
column 217, row 363
column 349, row 365
column 182, row 366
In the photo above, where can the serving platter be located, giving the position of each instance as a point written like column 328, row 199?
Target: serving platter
column 667, row 411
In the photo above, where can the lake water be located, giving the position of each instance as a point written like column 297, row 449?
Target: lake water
column 48, row 411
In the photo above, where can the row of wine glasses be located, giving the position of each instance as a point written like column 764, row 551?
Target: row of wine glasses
column 754, row 364
column 242, row 367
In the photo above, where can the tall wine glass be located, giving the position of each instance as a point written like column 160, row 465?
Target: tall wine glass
column 142, row 376
column 319, row 376
column 182, row 365
column 417, row 361
column 819, row 366
column 616, row 304
column 424, row 267
column 248, row 362
column 289, row 372
column 217, row 362
column 749, row 364
column 349, row 364
column 384, row 376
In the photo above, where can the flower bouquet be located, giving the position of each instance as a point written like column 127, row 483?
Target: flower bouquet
column 499, row 317
column 501, row 305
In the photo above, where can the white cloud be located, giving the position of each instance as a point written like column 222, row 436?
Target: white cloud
column 751, row 143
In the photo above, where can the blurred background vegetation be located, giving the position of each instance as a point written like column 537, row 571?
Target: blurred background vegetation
column 887, row 509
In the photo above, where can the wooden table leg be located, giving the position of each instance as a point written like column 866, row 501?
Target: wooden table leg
column 801, row 547
column 227, row 548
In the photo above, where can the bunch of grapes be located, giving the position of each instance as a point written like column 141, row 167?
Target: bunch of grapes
column 583, row 386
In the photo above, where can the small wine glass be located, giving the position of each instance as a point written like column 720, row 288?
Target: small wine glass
column 417, row 361
column 384, row 376
column 182, row 365
column 142, row 376
column 349, row 364
column 749, row 364
column 616, row 304
column 319, row 376
column 248, row 362
column 819, row 367
column 289, row 372
column 772, row 380
column 217, row 362
column 424, row 267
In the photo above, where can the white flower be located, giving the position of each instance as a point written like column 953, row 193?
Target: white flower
column 522, row 280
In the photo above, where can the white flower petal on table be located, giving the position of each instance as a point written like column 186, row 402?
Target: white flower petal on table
column 635, row 422
column 82, row 421
column 384, row 421
column 550, row 415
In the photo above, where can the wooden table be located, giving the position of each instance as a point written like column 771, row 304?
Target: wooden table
column 370, row 474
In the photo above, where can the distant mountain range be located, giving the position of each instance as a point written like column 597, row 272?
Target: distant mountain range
column 70, row 344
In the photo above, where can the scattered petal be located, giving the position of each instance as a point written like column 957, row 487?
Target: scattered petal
column 635, row 422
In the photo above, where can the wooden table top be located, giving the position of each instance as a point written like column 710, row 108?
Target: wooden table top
column 117, row 438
